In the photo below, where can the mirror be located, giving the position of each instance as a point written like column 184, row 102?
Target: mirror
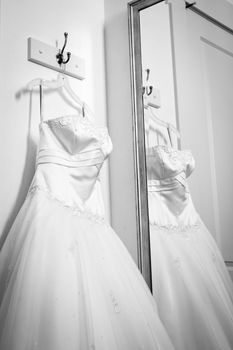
column 154, row 103
column 181, row 59
column 160, row 119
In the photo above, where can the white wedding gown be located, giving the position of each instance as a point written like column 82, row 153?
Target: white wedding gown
column 67, row 282
column 191, row 284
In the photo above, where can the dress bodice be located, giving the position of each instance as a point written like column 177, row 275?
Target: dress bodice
column 70, row 155
column 169, row 197
column 164, row 163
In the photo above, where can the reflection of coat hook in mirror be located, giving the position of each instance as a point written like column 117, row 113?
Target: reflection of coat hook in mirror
column 59, row 56
column 147, row 90
column 150, row 90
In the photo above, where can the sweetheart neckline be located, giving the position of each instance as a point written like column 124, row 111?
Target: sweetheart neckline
column 79, row 117
column 167, row 148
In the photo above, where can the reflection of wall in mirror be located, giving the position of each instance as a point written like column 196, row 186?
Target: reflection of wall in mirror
column 157, row 56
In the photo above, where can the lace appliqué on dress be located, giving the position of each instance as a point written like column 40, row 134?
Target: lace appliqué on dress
column 183, row 230
column 86, row 127
column 114, row 302
column 176, row 155
column 73, row 209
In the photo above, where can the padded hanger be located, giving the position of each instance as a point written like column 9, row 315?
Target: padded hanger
column 62, row 82
column 168, row 126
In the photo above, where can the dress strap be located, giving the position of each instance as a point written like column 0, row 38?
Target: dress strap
column 87, row 113
column 83, row 110
column 41, row 101
column 169, row 134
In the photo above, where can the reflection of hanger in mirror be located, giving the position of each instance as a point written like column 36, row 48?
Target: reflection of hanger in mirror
column 153, row 100
column 170, row 128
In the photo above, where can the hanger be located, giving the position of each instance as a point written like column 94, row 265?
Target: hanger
column 61, row 82
column 167, row 125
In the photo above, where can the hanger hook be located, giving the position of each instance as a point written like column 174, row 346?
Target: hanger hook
column 59, row 55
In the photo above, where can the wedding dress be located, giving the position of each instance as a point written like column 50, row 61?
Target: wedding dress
column 67, row 282
column 192, row 287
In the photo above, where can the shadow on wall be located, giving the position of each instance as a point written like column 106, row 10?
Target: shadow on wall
column 28, row 172
column 119, row 110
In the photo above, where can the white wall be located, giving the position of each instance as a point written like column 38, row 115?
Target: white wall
column 46, row 21
column 120, row 123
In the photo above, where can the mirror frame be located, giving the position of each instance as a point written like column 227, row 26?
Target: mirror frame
column 142, row 213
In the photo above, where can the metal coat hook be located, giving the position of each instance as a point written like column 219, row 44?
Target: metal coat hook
column 148, row 89
column 59, row 56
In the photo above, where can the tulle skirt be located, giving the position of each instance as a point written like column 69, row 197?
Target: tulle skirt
column 192, row 287
column 68, row 283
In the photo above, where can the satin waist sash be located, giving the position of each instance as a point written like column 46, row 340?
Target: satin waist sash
column 88, row 158
column 168, row 183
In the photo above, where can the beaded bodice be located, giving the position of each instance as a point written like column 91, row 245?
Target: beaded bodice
column 165, row 163
column 70, row 155
column 169, row 198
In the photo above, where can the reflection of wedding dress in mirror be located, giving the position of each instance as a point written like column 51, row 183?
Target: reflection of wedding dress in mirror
column 66, row 279
column 190, row 281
